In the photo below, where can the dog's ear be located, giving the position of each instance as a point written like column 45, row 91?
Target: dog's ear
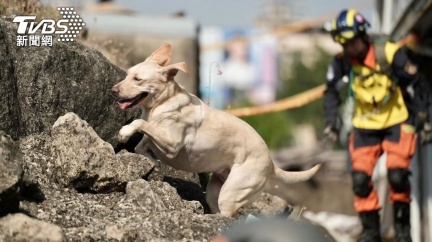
column 162, row 56
column 171, row 70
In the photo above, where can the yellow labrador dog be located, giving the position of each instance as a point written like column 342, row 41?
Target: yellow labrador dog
column 186, row 134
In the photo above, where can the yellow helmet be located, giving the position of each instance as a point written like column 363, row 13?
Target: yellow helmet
column 348, row 25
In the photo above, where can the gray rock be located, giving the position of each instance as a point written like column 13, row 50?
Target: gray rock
column 147, row 211
column 164, row 173
column 175, row 227
column 117, row 217
column 173, row 201
column 186, row 184
column 86, row 162
column 19, row 227
column 267, row 205
column 38, row 159
column 41, row 83
column 140, row 193
column 11, row 175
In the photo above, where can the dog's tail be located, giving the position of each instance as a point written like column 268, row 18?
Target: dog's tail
column 289, row 177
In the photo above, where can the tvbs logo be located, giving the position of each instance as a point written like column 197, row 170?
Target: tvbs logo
column 65, row 29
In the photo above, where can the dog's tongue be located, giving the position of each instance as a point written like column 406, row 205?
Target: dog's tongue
column 124, row 105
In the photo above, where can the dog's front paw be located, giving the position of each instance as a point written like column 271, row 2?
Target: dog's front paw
column 125, row 133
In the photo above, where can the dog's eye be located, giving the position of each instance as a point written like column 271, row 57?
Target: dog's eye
column 137, row 79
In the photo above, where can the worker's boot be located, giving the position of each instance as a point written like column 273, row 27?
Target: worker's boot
column 401, row 217
column 371, row 227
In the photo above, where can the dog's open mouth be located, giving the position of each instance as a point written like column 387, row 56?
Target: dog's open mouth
column 128, row 103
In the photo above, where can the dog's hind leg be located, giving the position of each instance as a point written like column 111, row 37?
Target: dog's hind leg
column 212, row 192
column 242, row 187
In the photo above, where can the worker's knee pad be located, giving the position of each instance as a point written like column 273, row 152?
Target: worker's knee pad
column 362, row 184
column 399, row 179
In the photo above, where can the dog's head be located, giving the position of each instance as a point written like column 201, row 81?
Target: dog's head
column 146, row 82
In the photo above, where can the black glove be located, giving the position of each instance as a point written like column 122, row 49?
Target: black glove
column 331, row 133
column 426, row 129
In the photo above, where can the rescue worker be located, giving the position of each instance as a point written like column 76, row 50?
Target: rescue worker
column 379, row 76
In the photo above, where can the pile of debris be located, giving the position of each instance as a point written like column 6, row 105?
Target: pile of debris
column 71, row 185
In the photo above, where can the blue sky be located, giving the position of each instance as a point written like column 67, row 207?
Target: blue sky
column 241, row 13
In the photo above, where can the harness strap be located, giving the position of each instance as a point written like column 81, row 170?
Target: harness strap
column 385, row 69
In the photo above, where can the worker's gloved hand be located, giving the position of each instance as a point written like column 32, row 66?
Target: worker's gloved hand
column 426, row 129
column 331, row 133
column 426, row 134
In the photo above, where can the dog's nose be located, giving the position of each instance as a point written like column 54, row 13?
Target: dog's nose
column 115, row 91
